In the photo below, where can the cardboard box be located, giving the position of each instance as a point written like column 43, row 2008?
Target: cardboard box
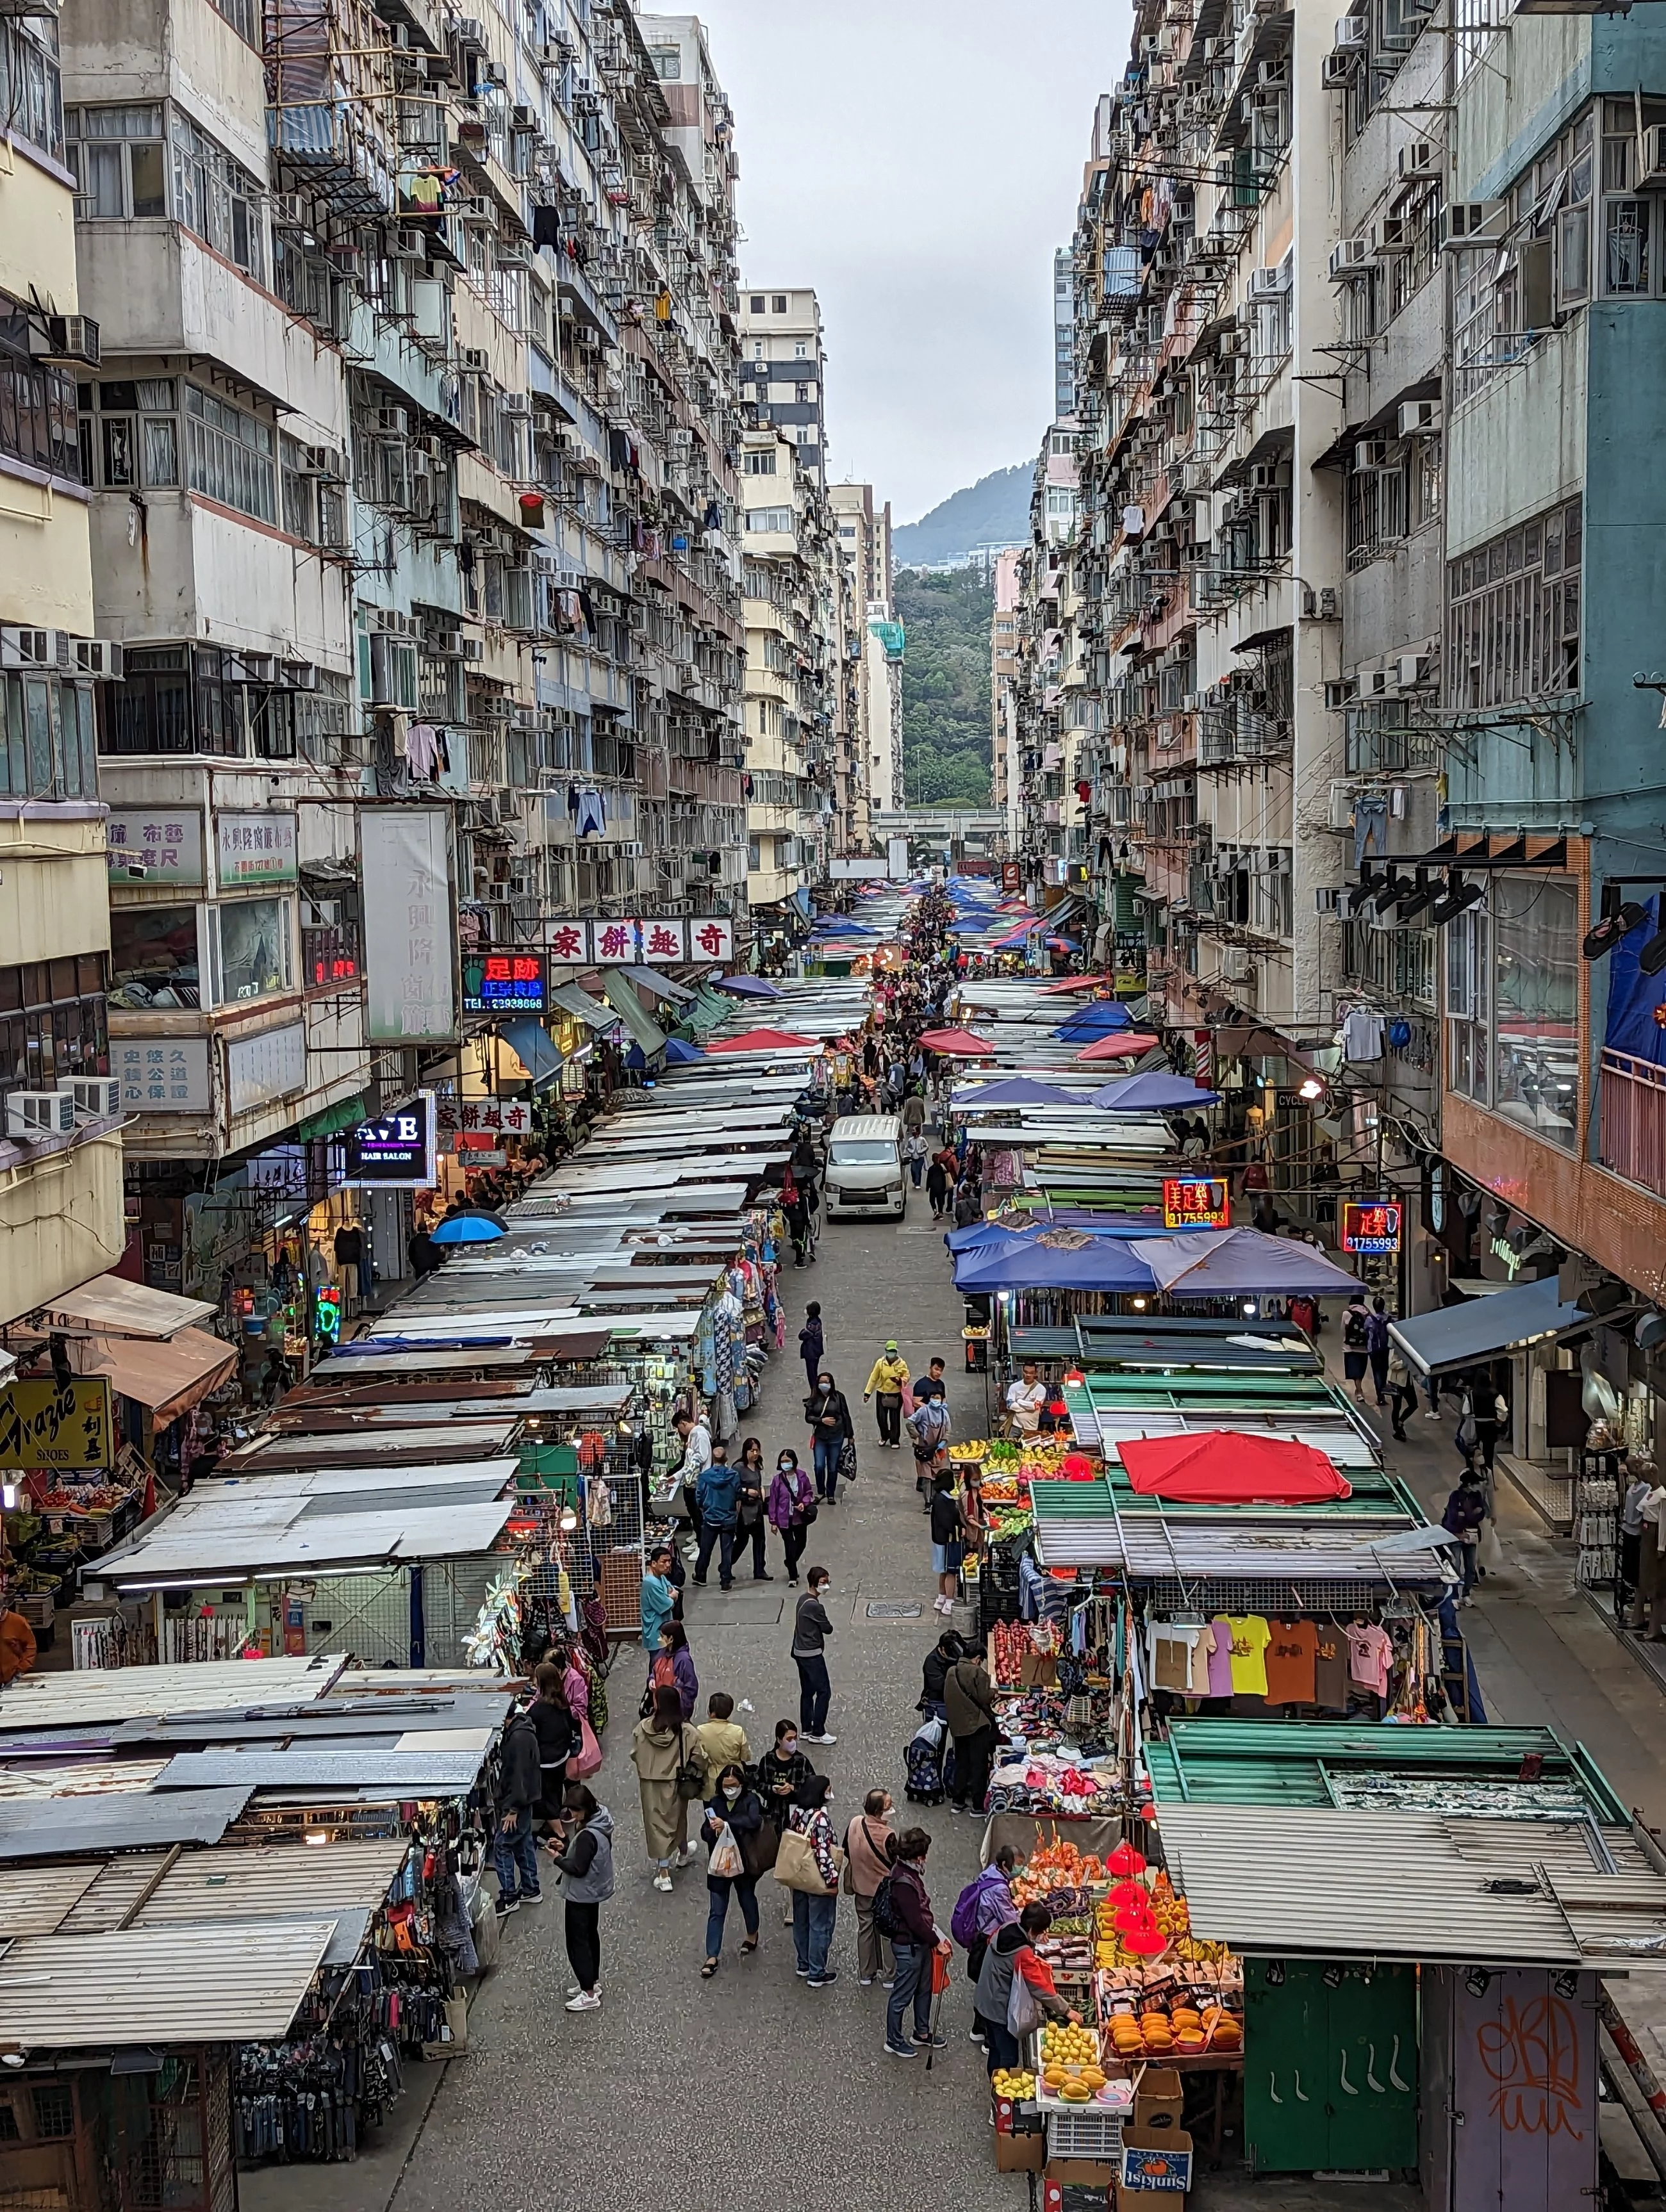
column 1038, row 1670
column 1155, row 2168
column 1060, row 2195
column 1157, row 2098
column 1024, row 2153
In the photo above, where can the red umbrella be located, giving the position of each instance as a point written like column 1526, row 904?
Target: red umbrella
column 958, row 1044
column 1071, row 983
column 1121, row 1044
column 764, row 1040
column 1221, row 1467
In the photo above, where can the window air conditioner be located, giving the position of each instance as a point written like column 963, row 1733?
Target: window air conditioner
column 1237, row 963
column 1340, row 813
column 1349, row 257
column 1353, row 34
column 1341, row 693
column 1654, row 155
column 97, row 1097
column 1418, row 417
column 40, row 1113
column 1420, row 158
column 1416, row 671
column 1390, row 234
column 1336, row 71
column 71, row 338
column 1469, row 222
column 1373, row 683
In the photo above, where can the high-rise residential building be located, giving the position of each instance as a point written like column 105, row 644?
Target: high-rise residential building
column 410, row 466
column 784, row 367
column 61, row 1218
column 864, row 531
column 1064, row 331
column 1004, row 785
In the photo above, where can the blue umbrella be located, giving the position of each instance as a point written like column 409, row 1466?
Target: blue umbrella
column 468, row 1228
column 679, row 1052
column 1097, row 1018
column 748, row 987
column 1153, row 1092
column 1016, row 1090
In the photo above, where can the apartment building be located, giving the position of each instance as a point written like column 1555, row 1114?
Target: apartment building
column 411, row 471
column 784, row 368
column 1049, row 710
column 1064, row 331
column 60, row 1149
column 796, row 713
column 1004, row 786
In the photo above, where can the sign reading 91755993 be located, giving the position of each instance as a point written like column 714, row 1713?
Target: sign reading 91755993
column 1371, row 1226
column 1194, row 1202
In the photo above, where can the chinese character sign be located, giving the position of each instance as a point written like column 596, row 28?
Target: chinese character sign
column 662, row 940
column 163, row 1075
column 506, row 982
column 67, row 1429
column 409, row 952
column 165, row 842
column 569, row 942
column 1193, row 1202
column 648, row 941
column 396, row 1150
column 254, row 848
column 712, row 938
column 619, row 942
column 1372, row 1227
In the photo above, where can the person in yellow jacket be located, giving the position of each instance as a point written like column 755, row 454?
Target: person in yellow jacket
column 887, row 1382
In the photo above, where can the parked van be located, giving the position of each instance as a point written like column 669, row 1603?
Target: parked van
column 865, row 1172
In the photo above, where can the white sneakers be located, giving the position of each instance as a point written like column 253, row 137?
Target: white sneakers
column 662, row 1881
column 818, row 1739
column 685, row 1857
column 944, row 1604
column 586, row 2000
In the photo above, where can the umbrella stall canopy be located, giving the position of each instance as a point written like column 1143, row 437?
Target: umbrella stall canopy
column 1210, row 1263
column 1097, row 1016
column 1014, row 1090
column 1055, row 1260
column 957, row 1043
column 762, row 1041
column 1154, row 1092
column 1223, row 1468
column 748, row 987
column 1125, row 1046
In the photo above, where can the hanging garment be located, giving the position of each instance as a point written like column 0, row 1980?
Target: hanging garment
column 591, row 816
column 546, row 225
column 1362, row 1035
column 1330, row 1667
column 422, row 750
column 1291, row 1661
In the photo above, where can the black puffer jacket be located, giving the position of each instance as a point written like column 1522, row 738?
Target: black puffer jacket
column 521, row 1771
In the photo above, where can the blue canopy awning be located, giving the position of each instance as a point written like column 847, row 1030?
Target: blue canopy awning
column 1483, row 1328
column 1015, row 1090
column 1154, row 1092
column 1036, row 1262
column 527, row 1040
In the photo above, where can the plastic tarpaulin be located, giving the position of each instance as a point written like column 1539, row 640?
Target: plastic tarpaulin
column 1054, row 1260
column 1125, row 1046
column 1222, row 1466
column 957, row 1043
column 621, row 997
column 533, row 1049
column 1207, row 1263
column 1481, row 1329
column 1635, row 999
column 1098, row 1016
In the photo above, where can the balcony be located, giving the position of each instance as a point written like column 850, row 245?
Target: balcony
column 1632, row 1142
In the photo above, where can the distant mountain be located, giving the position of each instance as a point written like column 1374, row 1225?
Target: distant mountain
column 996, row 511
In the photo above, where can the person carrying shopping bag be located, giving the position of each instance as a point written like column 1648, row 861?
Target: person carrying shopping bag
column 735, row 1817
column 828, row 1411
column 791, row 1508
column 887, row 1380
column 810, row 1863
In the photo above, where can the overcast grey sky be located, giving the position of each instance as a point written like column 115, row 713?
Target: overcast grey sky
column 917, row 161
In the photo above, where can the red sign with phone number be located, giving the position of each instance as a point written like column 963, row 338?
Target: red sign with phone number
column 1194, row 1202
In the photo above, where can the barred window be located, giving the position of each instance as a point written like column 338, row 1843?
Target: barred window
column 228, row 456
column 217, row 198
column 31, row 86
column 37, row 405
column 1512, row 626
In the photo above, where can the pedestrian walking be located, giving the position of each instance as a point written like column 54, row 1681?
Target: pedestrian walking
column 791, row 1508
column 969, row 1705
column 716, row 1490
column 948, row 1525
column 828, row 1413
column 735, row 1817
column 1402, row 1391
column 1466, row 1508
column 903, row 1912
column 939, row 1175
column 869, row 1842
column 1492, row 1413
column 665, row 1750
column 1355, row 1356
column 914, row 1119
column 696, row 1438
column 814, row 1910
column 520, row 1786
column 751, row 1507
column 659, row 1596
column 885, row 1383
column 928, row 1426
column 1376, row 1348
column 582, row 1851
column 812, row 1344
column 722, row 1740
column 1012, row 1950
column 671, row 1668
column 558, row 1733
column 811, row 1626
column 914, row 1148
column 780, row 1771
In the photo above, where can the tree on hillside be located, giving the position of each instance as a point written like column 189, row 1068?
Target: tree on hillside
column 946, row 686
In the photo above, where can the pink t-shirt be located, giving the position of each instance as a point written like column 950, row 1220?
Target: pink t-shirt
column 1369, row 1652
column 1220, row 1658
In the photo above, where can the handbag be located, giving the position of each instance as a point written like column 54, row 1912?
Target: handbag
column 726, row 1860
column 588, row 1756
column 691, row 1772
column 848, row 1459
column 1025, row 2009
column 795, row 1865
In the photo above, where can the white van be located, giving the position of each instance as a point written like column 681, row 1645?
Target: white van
column 865, row 1172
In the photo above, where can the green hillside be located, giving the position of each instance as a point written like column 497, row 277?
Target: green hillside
column 946, row 686
column 994, row 511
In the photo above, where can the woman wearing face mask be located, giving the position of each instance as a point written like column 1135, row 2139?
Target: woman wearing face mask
column 672, row 1667
column 813, row 1916
column 742, row 1809
column 829, row 1415
column 750, row 1518
column 791, row 1509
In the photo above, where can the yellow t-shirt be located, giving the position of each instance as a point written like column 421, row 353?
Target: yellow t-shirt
column 1250, row 1638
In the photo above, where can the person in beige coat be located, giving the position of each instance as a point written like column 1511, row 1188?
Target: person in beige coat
column 659, row 1745
column 869, row 1842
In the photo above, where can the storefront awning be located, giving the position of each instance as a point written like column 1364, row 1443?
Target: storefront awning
column 532, row 1047
column 167, row 1378
column 574, row 1000
column 656, row 980
column 621, row 997
column 111, row 1305
column 1458, row 1336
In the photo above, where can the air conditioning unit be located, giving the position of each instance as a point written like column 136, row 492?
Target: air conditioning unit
column 1470, row 222
column 1340, row 813
column 515, row 402
column 97, row 1097
column 1340, row 693
column 1232, row 342
column 1374, row 683
column 71, row 338
column 1328, row 898
column 98, row 657
column 1336, row 71
column 1420, row 158
column 1371, row 454
column 474, row 361
column 1418, row 418
column 1390, row 234
column 411, row 246
column 1349, row 257
column 393, row 422
column 1416, row 671
column 315, row 461
column 27, row 649
column 1237, row 963
column 1654, row 155
column 470, row 32
column 1274, row 75
column 1266, row 284
column 1269, row 475
column 40, row 1113
column 472, row 648
column 1278, row 860
column 1353, row 34
column 513, row 254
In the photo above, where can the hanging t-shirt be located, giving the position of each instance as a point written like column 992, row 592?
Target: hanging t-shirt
column 1370, row 1653
column 1291, row 1658
column 1362, row 1035
column 1331, row 1668
column 1173, row 1658
column 1220, row 1658
column 1203, row 1652
column 1250, row 1638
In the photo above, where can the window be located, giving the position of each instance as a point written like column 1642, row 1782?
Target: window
column 769, row 517
column 153, row 957
column 244, row 17
column 800, row 347
column 117, row 153
column 217, row 198
column 228, row 455
column 778, row 304
column 1513, row 976
column 37, row 405
column 179, row 699
column 135, row 439
column 251, row 939
column 47, row 748
column 1396, row 963
column 761, row 465
column 1377, row 509
column 756, row 306
column 31, row 91
column 1513, row 618
column 667, row 62
column 52, row 1022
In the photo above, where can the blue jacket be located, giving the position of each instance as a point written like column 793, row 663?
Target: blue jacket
column 658, row 1600
column 715, row 1492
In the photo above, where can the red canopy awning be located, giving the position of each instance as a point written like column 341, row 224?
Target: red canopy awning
column 1071, row 983
column 764, row 1040
column 1222, row 1466
column 958, row 1044
column 1121, row 1044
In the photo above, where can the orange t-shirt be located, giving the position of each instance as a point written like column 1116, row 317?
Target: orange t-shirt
column 1292, row 1663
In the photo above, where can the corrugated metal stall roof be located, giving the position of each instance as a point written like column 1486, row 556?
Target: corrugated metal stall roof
column 35, row 1900
column 205, row 1549
column 280, row 1881
column 422, row 1771
column 237, row 1984
column 42, row 1828
column 227, row 1686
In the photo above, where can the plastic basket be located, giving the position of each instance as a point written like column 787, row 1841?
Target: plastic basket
column 1084, row 2133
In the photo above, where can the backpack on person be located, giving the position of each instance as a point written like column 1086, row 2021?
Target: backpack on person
column 885, row 1917
column 962, row 1920
column 1354, row 1330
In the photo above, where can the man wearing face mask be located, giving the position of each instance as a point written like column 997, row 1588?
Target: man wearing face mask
column 740, row 1810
